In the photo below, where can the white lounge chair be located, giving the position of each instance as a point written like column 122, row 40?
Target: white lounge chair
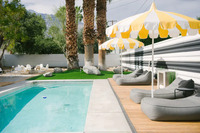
column 44, row 68
column 28, row 67
column 23, row 69
column 40, row 68
column 47, row 66
column 37, row 67
column 18, row 68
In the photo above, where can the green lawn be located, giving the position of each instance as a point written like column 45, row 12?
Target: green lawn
column 75, row 74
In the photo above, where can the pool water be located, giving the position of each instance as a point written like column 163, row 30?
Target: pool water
column 46, row 107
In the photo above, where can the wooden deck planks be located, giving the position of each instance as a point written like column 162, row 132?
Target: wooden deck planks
column 141, row 122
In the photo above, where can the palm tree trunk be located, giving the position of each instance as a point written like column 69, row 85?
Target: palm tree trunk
column 71, row 35
column 1, row 40
column 88, row 31
column 3, row 51
column 101, row 31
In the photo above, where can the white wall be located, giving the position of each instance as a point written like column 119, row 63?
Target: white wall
column 54, row 60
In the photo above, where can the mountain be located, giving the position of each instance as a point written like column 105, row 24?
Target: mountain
column 48, row 21
column 45, row 17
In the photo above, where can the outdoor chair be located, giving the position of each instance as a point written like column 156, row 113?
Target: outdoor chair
column 18, row 69
column 37, row 67
column 46, row 68
column 23, row 69
column 184, row 109
column 167, row 93
column 143, row 79
column 28, row 67
column 134, row 74
column 42, row 68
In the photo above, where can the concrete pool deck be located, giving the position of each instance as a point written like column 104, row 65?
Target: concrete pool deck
column 104, row 112
column 8, row 79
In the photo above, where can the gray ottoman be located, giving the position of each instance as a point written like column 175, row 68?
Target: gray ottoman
column 184, row 109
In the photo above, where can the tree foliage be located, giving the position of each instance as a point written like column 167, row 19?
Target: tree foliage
column 56, row 31
column 33, row 28
column 11, row 12
column 61, row 16
column 58, row 37
column 79, row 16
column 148, row 41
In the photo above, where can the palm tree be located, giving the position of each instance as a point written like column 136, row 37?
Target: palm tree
column 101, row 29
column 88, row 31
column 71, row 35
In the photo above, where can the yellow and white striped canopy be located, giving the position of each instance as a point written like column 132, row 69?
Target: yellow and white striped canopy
column 155, row 22
column 120, row 43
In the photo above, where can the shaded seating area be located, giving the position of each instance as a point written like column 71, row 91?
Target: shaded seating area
column 167, row 93
column 141, row 122
column 184, row 109
column 143, row 79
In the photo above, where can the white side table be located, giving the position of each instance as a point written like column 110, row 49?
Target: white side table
column 163, row 78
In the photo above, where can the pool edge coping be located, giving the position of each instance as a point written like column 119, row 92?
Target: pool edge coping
column 16, row 86
column 123, row 110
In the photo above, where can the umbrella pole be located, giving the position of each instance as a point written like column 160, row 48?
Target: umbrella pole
column 152, row 66
column 121, row 63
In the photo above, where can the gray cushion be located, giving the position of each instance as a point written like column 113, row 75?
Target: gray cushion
column 183, row 109
column 144, row 79
column 138, row 94
column 186, row 84
column 144, row 72
column 134, row 74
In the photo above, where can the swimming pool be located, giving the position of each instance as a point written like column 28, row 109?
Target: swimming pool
column 46, row 107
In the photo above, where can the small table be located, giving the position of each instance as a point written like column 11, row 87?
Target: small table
column 182, row 89
column 163, row 78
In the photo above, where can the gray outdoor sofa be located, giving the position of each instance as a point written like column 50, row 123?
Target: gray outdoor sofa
column 134, row 74
column 183, row 109
column 167, row 93
column 143, row 79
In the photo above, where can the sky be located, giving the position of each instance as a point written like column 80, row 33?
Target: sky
column 121, row 9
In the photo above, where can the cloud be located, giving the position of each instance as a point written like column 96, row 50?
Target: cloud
column 118, row 9
column 46, row 6
column 43, row 6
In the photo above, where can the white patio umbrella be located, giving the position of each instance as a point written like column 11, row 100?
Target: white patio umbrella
column 121, row 43
column 154, row 23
